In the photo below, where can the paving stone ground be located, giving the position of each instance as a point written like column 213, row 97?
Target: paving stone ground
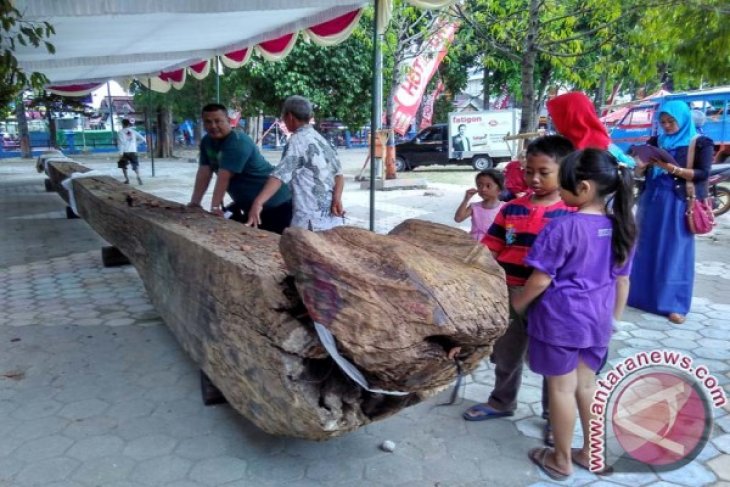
column 94, row 390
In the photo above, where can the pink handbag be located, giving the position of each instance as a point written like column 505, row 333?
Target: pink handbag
column 700, row 218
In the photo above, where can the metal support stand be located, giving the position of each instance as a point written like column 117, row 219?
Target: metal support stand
column 209, row 392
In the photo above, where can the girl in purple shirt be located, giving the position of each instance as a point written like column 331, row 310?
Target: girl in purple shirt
column 581, row 265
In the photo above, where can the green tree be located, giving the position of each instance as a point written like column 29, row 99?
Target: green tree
column 335, row 79
column 541, row 36
column 690, row 42
column 15, row 31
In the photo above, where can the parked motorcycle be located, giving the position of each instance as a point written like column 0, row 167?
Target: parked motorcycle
column 720, row 195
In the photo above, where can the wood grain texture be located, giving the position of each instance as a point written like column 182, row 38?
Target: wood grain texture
column 397, row 303
column 239, row 301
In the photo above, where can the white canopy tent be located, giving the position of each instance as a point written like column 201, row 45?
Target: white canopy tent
column 159, row 41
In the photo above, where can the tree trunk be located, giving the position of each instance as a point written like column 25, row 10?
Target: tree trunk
column 486, row 89
column 542, row 90
column 23, row 135
column 528, row 123
column 600, row 97
column 198, row 127
column 52, row 131
column 242, row 303
column 164, row 131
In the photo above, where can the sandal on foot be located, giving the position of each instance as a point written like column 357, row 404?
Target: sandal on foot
column 676, row 318
column 547, row 435
column 575, row 456
column 480, row 412
column 538, row 457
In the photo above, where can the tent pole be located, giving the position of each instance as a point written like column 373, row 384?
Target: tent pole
column 111, row 112
column 217, row 80
column 377, row 109
column 147, row 125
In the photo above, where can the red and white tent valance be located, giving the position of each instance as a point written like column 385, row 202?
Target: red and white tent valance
column 327, row 33
column 81, row 89
column 168, row 39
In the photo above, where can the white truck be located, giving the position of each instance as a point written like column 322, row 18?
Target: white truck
column 470, row 138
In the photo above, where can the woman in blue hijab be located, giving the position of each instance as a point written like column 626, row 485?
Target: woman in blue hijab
column 662, row 276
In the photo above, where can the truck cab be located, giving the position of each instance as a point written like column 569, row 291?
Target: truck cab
column 711, row 111
column 471, row 138
column 429, row 146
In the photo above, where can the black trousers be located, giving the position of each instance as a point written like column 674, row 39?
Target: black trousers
column 273, row 219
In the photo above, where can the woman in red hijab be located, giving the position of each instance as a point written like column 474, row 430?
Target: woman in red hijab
column 574, row 117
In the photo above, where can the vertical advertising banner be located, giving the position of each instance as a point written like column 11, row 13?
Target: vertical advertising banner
column 428, row 103
column 408, row 95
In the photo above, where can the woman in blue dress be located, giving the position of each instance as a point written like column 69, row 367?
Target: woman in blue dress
column 662, row 276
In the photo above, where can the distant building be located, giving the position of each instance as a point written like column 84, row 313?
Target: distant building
column 471, row 99
column 123, row 107
column 464, row 102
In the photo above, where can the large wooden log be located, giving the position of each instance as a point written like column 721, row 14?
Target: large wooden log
column 227, row 295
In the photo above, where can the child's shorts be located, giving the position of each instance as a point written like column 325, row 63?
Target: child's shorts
column 547, row 359
column 128, row 158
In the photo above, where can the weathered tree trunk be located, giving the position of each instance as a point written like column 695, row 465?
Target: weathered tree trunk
column 394, row 304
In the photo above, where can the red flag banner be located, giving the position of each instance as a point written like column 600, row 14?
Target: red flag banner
column 428, row 102
column 408, row 95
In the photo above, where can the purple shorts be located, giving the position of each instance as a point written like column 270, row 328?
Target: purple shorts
column 551, row 360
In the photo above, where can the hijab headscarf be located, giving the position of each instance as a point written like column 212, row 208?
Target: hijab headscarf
column 575, row 118
column 680, row 112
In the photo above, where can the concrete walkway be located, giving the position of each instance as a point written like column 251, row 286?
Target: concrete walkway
column 94, row 390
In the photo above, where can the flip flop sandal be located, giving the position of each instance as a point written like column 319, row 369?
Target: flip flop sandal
column 538, row 456
column 574, row 452
column 480, row 412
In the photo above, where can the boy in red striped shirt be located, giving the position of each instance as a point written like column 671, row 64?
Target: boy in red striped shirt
column 509, row 239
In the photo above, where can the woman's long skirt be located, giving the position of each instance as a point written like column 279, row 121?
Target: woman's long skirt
column 662, row 276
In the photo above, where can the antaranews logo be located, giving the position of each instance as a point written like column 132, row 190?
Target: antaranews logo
column 653, row 408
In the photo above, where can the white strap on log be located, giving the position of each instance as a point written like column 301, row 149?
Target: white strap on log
column 67, row 183
column 328, row 340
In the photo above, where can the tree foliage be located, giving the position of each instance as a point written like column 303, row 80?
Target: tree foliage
column 337, row 80
column 689, row 42
column 15, row 31
column 543, row 37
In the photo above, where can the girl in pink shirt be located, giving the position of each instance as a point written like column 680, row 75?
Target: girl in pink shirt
column 482, row 213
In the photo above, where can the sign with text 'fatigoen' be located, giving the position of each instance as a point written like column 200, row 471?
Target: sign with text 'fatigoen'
column 422, row 68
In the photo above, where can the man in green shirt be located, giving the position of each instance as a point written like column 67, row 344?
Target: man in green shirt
column 241, row 171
